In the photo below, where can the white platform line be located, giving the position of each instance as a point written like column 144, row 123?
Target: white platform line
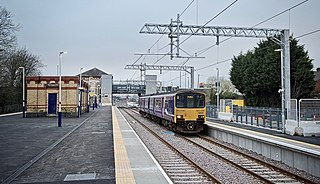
column 148, row 151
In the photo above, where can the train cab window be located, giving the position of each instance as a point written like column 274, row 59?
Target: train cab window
column 200, row 101
column 190, row 100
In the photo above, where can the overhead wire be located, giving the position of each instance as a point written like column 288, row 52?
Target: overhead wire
column 270, row 18
column 137, row 60
column 312, row 32
column 225, row 9
column 136, row 70
column 160, row 39
column 280, row 13
column 186, row 8
column 222, row 11
column 303, row 35
column 155, row 43
column 201, row 26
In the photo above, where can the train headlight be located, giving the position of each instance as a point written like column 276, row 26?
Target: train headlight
column 200, row 116
column 179, row 116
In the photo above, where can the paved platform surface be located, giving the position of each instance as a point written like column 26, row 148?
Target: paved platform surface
column 143, row 166
column 99, row 147
column 86, row 152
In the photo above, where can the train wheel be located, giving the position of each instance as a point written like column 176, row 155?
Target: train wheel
column 174, row 127
column 169, row 126
column 166, row 123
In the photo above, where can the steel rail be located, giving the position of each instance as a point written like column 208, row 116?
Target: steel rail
column 247, row 156
column 210, row 176
column 224, row 159
column 265, row 164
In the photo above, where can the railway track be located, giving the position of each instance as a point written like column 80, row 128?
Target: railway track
column 178, row 167
column 265, row 171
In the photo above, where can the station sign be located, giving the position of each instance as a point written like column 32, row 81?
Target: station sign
column 128, row 89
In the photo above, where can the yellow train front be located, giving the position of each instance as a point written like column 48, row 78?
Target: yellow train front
column 182, row 111
column 190, row 111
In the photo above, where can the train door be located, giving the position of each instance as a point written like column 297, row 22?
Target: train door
column 52, row 103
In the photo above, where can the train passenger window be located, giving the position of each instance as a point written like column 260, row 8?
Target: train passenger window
column 151, row 103
column 145, row 103
column 158, row 103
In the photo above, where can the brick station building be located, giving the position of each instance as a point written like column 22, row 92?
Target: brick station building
column 43, row 96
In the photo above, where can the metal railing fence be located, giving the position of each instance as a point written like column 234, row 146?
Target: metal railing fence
column 255, row 116
column 11, row 108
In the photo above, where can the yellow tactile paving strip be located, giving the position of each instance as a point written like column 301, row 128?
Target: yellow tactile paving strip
column 123, row 173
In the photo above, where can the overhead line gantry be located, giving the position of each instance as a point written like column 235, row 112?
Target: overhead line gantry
column 175, row 29
column 144, row 67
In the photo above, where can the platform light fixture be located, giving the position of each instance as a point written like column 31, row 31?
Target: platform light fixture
column 80, row 88
column 218, row 91
column 23, row 92
column 59, row 112
column 282, row 91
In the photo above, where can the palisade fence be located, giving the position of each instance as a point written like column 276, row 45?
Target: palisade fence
column 11, row 108
column 293, row 110
column 304, row 114
column 259, row 116
column 255, row 116
column 309, row 110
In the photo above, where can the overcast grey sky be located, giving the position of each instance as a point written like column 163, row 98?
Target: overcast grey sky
column 105, row 33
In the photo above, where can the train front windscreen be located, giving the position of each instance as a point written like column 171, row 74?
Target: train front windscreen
column 191, row 100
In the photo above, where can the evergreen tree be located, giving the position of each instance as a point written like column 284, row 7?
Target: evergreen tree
column 257, row 73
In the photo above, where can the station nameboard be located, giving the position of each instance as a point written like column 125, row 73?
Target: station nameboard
column 128, row 89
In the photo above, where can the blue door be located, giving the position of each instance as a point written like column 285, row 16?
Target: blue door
column 52, row 103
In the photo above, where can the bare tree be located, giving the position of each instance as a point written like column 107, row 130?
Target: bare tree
column 7, row 39
column 227, row 89
column 20, row 58
column 7, row 30
column 11, row 59
column 11, row 84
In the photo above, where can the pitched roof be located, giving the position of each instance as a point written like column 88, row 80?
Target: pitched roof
column 94, row 72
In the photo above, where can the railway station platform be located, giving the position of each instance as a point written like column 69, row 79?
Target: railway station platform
column 99, row 147
column 296, row 151
column 133, row 161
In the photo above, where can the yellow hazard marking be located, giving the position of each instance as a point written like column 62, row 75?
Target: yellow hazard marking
column 123, row 172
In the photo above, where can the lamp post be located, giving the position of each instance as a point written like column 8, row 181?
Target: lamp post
column 88, row 95
column 99, row 95
column 282, row 91
column 59, row 112
column 23, row 92
column 218, row 91
column 80, row 88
